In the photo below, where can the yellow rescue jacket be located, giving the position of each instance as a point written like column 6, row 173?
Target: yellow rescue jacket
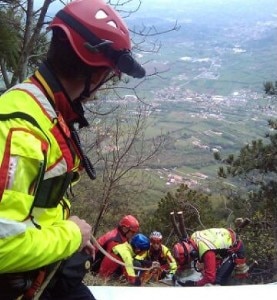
column 127, row 254
column 37, row 164
column 212, row 239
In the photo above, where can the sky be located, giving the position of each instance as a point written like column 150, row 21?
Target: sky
column 172, row 6
column 176, row 9
column 167, row 4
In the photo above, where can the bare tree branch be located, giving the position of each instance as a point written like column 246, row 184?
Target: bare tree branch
column 120, row 146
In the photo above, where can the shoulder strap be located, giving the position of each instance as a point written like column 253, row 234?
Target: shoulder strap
column 24, row 116
column 20, row 115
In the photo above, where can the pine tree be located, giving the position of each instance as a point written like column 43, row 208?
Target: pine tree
column 255, row 167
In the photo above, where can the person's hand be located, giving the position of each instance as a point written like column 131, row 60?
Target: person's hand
column 199, row 266
column 155, row 264
column 90, row 249
column 85, row 229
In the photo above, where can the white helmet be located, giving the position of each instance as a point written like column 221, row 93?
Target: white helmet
column 156, row 236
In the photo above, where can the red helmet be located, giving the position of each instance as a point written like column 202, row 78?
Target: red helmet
column 181, row 253
column 98, row 35
column 130, row 222
column 156, row 237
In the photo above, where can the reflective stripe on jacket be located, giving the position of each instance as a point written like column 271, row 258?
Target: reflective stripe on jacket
column 33, row 150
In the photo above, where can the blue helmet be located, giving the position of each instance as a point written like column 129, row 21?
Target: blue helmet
column 140, row 241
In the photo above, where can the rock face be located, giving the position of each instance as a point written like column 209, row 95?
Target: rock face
column 189, row 275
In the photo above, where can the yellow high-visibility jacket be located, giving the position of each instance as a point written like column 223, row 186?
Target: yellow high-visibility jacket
column 36, row 165
column 127, row 254
column 212, row 239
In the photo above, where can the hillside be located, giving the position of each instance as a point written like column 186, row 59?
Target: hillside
column 210, row 95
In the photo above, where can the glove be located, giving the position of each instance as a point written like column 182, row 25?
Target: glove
column 186, row 283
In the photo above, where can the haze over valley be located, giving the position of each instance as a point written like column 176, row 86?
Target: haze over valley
column 209, row 94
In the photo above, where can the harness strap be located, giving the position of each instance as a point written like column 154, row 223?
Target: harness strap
column 44, row 284
column 36, row 284
column 39, row 283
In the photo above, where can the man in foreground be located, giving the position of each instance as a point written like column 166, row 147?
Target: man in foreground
column 41, row 155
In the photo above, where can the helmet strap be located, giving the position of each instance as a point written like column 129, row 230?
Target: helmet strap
column 86, row 93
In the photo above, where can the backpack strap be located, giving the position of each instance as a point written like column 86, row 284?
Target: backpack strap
column 24, row 116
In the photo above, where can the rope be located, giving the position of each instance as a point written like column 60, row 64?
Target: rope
column 118, row 261
column 46, row 281
column 52, row 273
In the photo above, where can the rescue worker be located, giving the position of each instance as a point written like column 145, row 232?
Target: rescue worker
column 127, row 252
column 41, row 155
column 160, row 253
column 217, row 252
column 127, row 227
